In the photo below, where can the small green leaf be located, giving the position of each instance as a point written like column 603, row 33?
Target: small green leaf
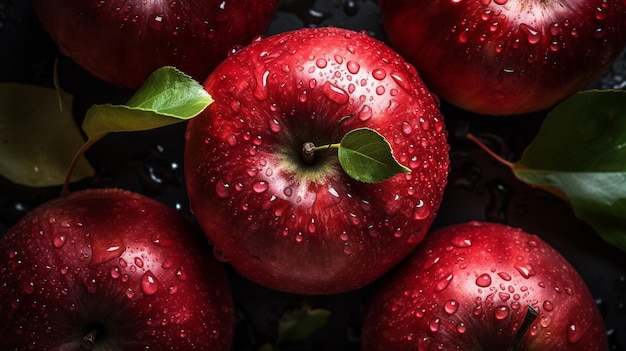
column 367, row 157
column 302, row 323
column 168, row 96
column 580, row 154
column 37, row 138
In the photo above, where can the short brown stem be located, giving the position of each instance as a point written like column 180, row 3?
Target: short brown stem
column 529, row 318
column 308, row 153
column 89, row 340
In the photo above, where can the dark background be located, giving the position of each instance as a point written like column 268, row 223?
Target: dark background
column 479, row 188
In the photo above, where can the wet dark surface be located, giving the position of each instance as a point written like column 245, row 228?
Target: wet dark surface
column 479, row 188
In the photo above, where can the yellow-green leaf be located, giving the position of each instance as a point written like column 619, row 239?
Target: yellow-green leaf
column 38, row 139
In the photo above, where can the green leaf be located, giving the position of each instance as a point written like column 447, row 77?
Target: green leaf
column 38, row 138
column 367, row 156
column 580, row 154
column 302, row 323
column 168, row 96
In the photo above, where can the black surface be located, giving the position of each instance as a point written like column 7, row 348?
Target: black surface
column 479, row 188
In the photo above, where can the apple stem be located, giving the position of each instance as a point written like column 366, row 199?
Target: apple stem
column 308, row 151
column 529, row 318
column 89, row 340
column 66, row 184
column 491, row 153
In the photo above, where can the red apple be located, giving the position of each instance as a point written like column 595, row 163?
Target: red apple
column 310, row 228
column 123, row 41
column 111, row 270
column 505, row 57
column 483, row 286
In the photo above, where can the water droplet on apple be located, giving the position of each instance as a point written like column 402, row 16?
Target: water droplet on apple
column 532, row 35
column 379, row 74
column 526, row 271
column 365, row 113
column 28, row 287
column 138, row 262
column 380, row 90
column 335, row 94
column 59, row 241
column 222, row 189
column 574, row 334
column 130, row 293
column 500, row 2
column 275, row 125
column 156, row 22
column 420, row 212
column 484, row 280
column 434, row 325
column 406, row 128
column 451, row 306
column 260, row 91
column 501, row 312
column 180, row 274
column 260, row 186
column 353, row 67
column 461, row 242
column 149, row 283
column 321, row 63
column 443, row 283
column 115, row 272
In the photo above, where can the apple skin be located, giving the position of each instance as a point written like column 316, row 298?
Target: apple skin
column 123, row 41
column 467, row 287
column 311, row 229
column 506, row 57
column 117, row 262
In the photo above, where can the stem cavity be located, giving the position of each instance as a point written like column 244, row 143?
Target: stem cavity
column 89, row 340
column 529, row 318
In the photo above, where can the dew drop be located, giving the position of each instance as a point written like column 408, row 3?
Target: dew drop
column 420, row 212
column 180, row 274
column 260, row 186
column 28, row 287
column 138, row 262
column 443, row 283
column 501, row 312
column 434, row 325
column 547, row 305
column 379, row 74
column 484, row 280
column 149, row 283
column 406, row 128
column 58, row 241
column 526, row 271
column 451, row 306
column 461, row 328
column 574, row 334
column 505, row 276
column 461, row 242
column 353, row 67
column 115, row 272
column 321, row 63
column 130, row 293
column 365, row 113
column 335, row 94
column 532, row 35
column 156, row 22
column 275, row 125
column 222, row 189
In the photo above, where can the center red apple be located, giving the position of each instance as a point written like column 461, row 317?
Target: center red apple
column 307, row 227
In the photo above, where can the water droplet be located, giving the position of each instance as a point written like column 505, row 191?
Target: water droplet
column 547, row 305
column 532, row 35
column 149, row 283
column 260, row 90
column 138, row 262
column 115, row 272
column 434, row 325
column 420, row 212
column 406, row 128
column 222, row 189
column 275, row 125
column 451, row 306
column 365, row 113
column 526, row 271
column 130, row 293
column 501, row 312
column 28, row 287
column 353, row 67
column 156, row 22
column 321, row 63
column 574, row 334
column 484, row 280
column 260, row 186
column 505, row 276
column 379, row 74
column 443, row 283
column 461, row 328
column 461, row 242
column 58, row 241
column 180, row 274
column 335, row 94
column 500, row 2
